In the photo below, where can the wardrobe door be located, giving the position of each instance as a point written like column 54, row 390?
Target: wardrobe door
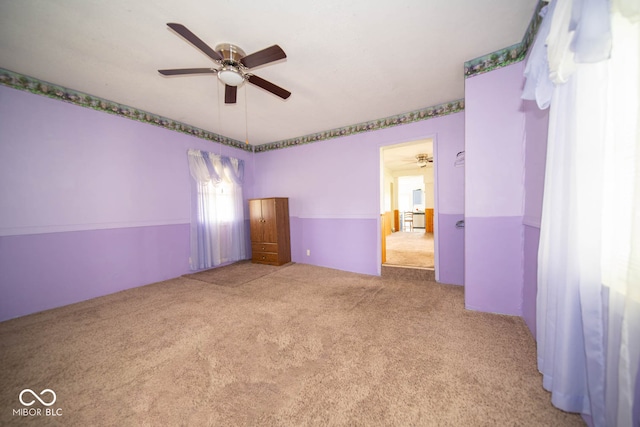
column 270, row 221
column 282, row 226
column 255, row 220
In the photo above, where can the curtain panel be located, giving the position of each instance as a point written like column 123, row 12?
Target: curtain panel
column 584, row 66
column 217, row 210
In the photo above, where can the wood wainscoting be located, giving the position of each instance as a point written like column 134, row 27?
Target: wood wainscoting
column 428, row 220
column 386, row 222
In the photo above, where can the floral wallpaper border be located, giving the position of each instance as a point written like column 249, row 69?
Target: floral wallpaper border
column 400, row 119
column 33, row 85
column 508, row 55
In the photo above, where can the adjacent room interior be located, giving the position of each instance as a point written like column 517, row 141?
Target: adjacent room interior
column 408, row 204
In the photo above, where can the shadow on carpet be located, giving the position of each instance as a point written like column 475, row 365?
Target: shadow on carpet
column 236, row 274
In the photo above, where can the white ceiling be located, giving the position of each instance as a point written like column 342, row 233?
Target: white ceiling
column 401, row 158
column 348, row 61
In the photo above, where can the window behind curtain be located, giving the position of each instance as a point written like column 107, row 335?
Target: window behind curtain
column 217, row 210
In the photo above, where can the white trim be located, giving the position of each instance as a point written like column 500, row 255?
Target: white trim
column 337, row 216
column 44, row 229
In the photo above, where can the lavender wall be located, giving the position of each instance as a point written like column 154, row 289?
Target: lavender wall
column 42, row 271
column 536, row 130
column 334, row 194
column 91, row 203
column 451, row 249
column 530, row 279
column 494, row 191
column 536, row 127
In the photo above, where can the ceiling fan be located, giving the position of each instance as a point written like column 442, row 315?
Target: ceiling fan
column 234, row 65
column 421, row 160
column 424, row 160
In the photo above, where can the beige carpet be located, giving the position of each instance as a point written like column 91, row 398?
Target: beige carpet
column 235, row 274
column 412, row 249
column 298, row 346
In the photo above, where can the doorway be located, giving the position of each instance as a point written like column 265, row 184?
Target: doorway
column 408, row 204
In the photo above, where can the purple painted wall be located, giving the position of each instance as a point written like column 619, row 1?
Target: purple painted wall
column 530, row 273
column 334, row 195
column 451, row 250
column 354, row 249
column 493, row 247
column 494, row 191
column 91, row 203
column 42, row 271
column 536, row 126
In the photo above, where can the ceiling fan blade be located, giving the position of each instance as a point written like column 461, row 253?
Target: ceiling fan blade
column 178, row 71
column 230, row 93
column 266, row 85
column 194, row 40
column 263, row 56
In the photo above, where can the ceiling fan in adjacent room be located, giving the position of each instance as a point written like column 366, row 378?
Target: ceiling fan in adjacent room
column 420, row 160
column 424, row 160
column 234, row 65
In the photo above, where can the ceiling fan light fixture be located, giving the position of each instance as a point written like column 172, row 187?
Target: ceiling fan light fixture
column 231, row 76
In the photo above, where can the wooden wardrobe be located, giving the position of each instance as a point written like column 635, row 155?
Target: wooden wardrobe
column 269, row 225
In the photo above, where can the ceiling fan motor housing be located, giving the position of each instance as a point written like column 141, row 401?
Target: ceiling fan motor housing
column 232, row 71
column 231, row 54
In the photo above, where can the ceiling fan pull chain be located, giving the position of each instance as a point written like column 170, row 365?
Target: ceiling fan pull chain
column 219, row 119
column 246, row 118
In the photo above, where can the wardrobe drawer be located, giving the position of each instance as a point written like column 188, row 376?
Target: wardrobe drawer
column 265, row 257
column 264, row 247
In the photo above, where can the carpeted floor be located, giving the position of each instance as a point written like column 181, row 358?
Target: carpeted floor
column 410, row 248
column 295, row 345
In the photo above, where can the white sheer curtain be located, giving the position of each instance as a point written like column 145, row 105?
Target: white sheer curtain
column 217, row 210
column 588, row 306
